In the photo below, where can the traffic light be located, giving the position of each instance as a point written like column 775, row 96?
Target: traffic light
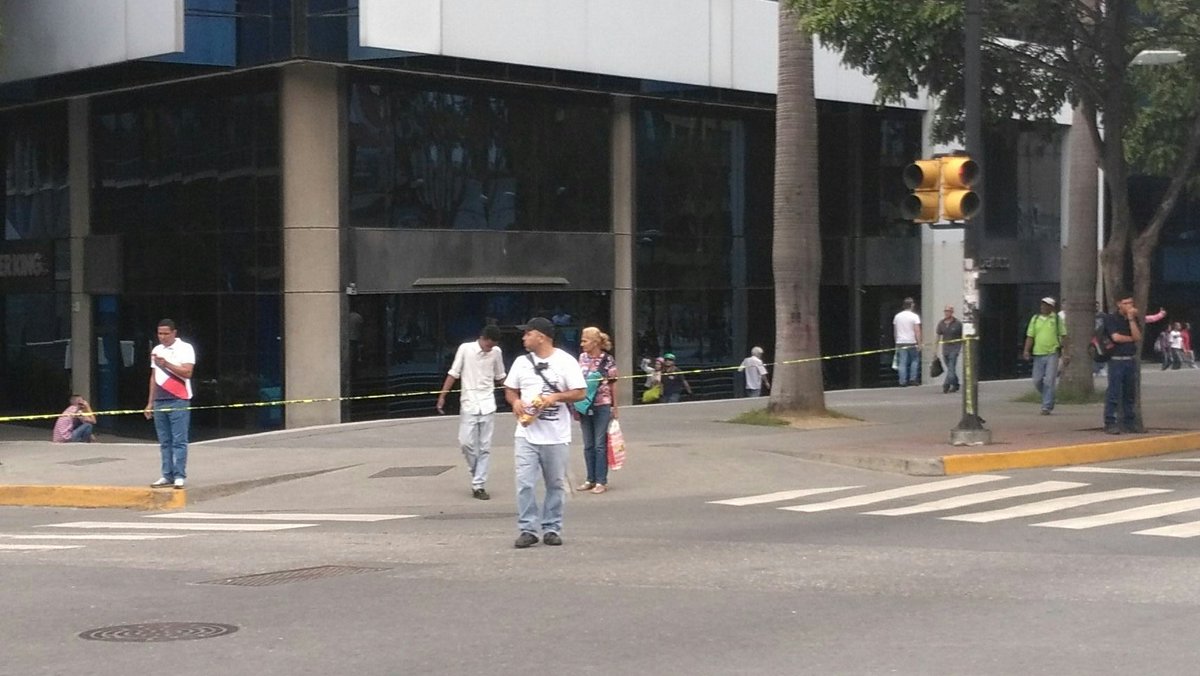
column 959, row 202
column 922, row 177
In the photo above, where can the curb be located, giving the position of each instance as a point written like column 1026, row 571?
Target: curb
column 117, row 497
column 1079, row 454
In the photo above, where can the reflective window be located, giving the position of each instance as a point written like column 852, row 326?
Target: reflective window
column 1024, row 162
column 477, row 160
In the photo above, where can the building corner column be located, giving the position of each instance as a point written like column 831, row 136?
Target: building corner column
column 624, row 191
column 83, row 344
column 310, row 152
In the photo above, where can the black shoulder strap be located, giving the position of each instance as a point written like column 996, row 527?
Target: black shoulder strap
column 552, row 386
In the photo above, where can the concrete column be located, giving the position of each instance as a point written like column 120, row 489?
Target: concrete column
column 941, row 265
column 310, row 152
column 83, row 341
column 624, row 192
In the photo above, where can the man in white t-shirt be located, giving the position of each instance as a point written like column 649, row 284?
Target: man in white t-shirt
column 171, row 365
column 756, row 372
column 480, row 366
column 540, row 387
column 907, row 326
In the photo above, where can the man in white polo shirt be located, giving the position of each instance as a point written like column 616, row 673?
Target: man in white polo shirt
column 480, row 366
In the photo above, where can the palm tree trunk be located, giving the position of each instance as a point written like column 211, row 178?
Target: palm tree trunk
column 798, row 388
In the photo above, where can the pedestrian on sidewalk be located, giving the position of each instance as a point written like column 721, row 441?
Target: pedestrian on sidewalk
column 76, row 422
column 1045, row 341
column 949, row 333
column 1125, row 331
column 540, row 387
column 673, row 381
column 479, row 364
column 171, row 364
column 906, row 326
column 598, row 407
column 756, row 373
column 1174, row 351
column 1189, row 357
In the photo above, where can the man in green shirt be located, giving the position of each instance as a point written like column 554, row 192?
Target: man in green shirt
column 1045, row 339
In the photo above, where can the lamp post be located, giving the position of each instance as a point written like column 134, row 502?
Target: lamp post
column 970, row 430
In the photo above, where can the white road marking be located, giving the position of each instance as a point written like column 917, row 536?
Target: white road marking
column 283, row 516
column 91, row 536
column 35, row 548
column 976, row 498
column 1180, row 459
column 142, row 525
column 1054, row 505
column 1126, row 515
column 779, row 497
column 1122, row 470
column 906, row 491
column 1181, row 530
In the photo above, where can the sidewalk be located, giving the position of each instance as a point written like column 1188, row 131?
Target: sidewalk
column 903, row 430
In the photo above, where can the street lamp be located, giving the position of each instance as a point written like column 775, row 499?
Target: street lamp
column 1157, row 57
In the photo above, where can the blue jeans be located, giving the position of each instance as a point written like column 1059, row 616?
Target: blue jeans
column 82, row 433
column 1045, row 376
column 909, row 362
column 1120, row 393
column 550, row 461
column 595, row 443
column 753, row 392
column 950, row 360
column 172, row 428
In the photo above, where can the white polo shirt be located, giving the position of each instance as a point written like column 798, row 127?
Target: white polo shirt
column 477, row 372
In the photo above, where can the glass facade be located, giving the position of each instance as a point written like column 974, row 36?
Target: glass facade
column 187, row 178
column 1024, row 162
column 703, row 240
column 473, row 159
column 408, row 340
column 35, row 294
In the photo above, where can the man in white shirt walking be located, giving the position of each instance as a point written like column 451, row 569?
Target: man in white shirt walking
column 540, row 388
column 756, row 372
column 480, row 366
column 907, row 326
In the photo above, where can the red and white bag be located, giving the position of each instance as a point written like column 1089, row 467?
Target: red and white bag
column 616, row 446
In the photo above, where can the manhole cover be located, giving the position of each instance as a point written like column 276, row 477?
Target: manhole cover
column 432, row 470
column 90, row 461
column 288, row 576
column 158, row 631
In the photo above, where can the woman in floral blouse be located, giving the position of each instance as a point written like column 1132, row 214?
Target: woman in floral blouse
column 599, row 407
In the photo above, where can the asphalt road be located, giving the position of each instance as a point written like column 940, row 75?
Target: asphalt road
column 654, row 578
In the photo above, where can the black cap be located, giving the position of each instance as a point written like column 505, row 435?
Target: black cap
column 541, row 325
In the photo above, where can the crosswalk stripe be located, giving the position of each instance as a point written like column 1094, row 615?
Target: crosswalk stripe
column 1179, row 530
column 779, row 496
column 1126, row 515
column 284, row 517
column 1053, row 505
column 976, row 498
column 1180, row 459
column 1124, row 470
column 35, row 548
column 142, row 525
column 91, row 536
column 892, row 494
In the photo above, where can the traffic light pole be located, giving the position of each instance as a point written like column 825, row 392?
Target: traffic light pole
column 970, row 430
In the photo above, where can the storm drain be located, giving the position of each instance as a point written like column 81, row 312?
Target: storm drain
column 90, row 461
column 158, row 632
column 289, row 576
column 430, row 470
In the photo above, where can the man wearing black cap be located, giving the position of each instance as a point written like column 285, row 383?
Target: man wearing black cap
column 540, row 387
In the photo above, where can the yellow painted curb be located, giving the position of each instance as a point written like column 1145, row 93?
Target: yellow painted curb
column 969, row 463
column 120, row 497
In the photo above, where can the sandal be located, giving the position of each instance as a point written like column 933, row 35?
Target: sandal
column 586, row 486
column 599, row 488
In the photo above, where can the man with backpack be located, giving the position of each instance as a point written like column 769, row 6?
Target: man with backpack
column 1045, row 340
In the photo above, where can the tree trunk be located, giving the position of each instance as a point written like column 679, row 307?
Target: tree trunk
column 1078, row 262
column 797, row 388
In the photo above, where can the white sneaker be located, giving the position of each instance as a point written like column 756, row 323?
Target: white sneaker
column 162, row 482
column 179, row 483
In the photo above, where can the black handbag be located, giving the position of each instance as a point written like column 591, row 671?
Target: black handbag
column 936, row 369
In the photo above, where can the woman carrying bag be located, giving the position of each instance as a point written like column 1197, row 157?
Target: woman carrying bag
column 598, row 408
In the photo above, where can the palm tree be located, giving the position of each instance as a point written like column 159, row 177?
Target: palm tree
column 798, row 388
